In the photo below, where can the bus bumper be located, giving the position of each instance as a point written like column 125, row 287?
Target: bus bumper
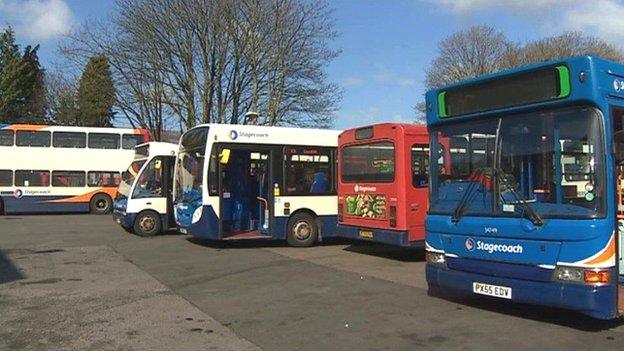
column 596, row 301
column 206, row 227
column 125, row 220
column 390, row 237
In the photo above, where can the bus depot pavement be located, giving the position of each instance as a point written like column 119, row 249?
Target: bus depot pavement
column 79, row 282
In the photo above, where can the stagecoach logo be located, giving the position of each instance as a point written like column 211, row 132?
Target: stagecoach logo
column 490, row 248
column 357, row 188
column 18, row 194
column 233, row 134
column 470, row 245
column 618, row 85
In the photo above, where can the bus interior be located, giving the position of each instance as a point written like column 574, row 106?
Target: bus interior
column 244, row 189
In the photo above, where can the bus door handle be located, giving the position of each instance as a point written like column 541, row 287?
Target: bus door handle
column 148, row 203
column 414, row 207
column 265, row 225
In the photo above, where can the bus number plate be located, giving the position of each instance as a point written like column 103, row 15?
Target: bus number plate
column 491, row 290
column 366, row 234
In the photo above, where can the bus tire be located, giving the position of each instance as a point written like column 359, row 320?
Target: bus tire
column 101, row 204
column 147, row 224
column 302, row 230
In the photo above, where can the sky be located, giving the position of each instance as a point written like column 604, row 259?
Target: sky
column 386, row 45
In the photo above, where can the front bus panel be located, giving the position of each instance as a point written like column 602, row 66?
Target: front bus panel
column 525, row 211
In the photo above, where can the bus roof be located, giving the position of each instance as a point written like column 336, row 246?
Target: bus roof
column 158, row 148
column 550, row 84
column 381, row 130
column 238, row 133
column 41, row 127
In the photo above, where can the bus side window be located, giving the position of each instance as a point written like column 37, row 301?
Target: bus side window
column 307, row 171
column 149, row 183
column 213, row 173
column 420, row 165
column 32, row 178
column 6, row 177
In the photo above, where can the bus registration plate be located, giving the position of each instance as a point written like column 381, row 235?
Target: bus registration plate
column 491, row 290
column 366, row 234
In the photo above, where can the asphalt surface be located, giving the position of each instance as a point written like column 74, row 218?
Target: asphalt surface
column 336, row 296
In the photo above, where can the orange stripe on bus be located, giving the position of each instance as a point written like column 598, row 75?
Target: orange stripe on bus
column 29, row 127
column 606, row 255
column 86, row 197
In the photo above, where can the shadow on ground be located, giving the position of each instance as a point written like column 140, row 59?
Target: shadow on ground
column 8, row 271
column 564, row 318
column 257, row 243
column 237, row 244
column 388, row 251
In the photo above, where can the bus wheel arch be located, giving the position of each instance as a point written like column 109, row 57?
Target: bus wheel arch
column 101, row 203
column 147, row 223
column 302, row 228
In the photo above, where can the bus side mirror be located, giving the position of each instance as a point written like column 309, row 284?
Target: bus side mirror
column 224, row 156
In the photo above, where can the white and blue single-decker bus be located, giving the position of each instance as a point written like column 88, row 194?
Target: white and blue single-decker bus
column 255, row 182
column 143, row 203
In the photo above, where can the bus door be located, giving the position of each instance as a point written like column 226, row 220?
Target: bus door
column 168, row 169
column 417, row 185
column 245, row 197
column 618, row 138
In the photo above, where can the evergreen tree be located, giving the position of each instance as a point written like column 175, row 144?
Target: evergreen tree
column 34, row 105
column 12, row 71
column 96, row 93
column 21, row 82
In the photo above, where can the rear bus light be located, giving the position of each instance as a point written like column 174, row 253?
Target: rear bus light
column 392, row 218
column 340, row 207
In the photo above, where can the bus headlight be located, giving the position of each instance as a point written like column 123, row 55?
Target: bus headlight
column 589, row 187
column 569, row 274
column 197, row 214
column 582, row 275
column 435, row 258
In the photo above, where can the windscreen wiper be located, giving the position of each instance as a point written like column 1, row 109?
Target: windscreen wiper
column 459, row 210
column 533, row 216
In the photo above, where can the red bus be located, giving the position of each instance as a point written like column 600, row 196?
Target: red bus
column 383, row 183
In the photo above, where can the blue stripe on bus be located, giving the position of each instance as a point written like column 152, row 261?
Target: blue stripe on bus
column 39, row 204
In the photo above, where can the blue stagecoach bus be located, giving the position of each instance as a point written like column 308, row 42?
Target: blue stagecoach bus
column 527, row 209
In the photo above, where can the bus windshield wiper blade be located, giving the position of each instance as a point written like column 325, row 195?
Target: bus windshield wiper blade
column 459, row 210
column 533, row 216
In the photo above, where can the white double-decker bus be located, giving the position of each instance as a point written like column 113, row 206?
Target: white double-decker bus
column 47, row 169
column 144, row 198
column 253, row 182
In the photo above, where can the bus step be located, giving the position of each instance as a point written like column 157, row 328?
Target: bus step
column 245, row 235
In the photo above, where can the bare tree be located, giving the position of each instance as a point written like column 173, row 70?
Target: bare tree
column 564, row 45
column 60, row 95
column 204, row 61
column 481, row 50
column 469, row 53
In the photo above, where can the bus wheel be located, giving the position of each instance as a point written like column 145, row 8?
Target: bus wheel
column 147, row 224
column 302, row 230
column 101, row 204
